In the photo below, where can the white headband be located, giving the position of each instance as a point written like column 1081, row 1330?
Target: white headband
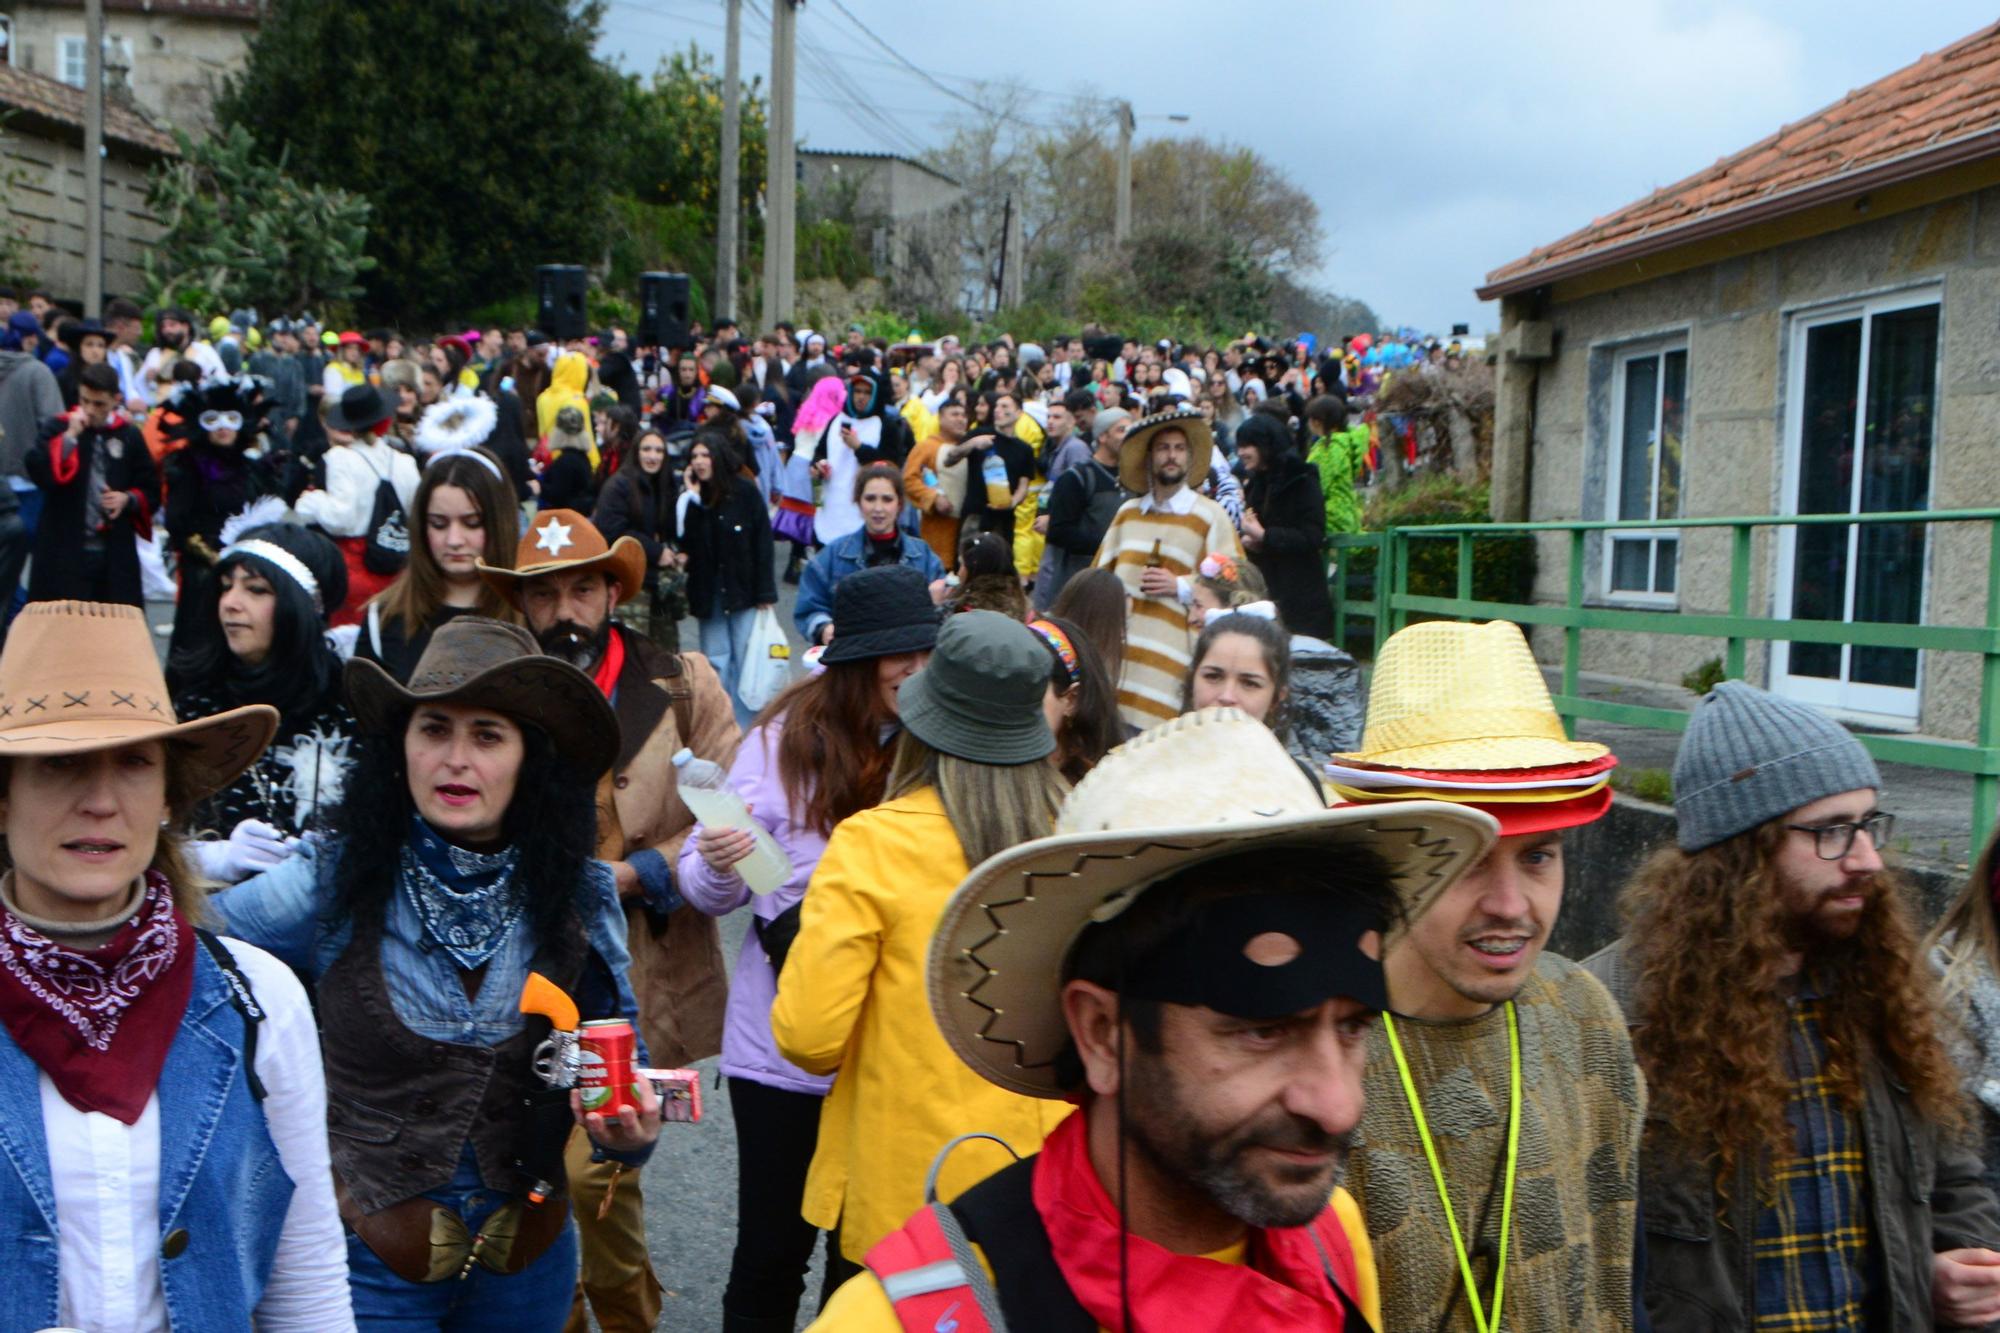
column 473, row 454
column 283, row 559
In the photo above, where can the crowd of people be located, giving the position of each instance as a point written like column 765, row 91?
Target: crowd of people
column 1128, row 968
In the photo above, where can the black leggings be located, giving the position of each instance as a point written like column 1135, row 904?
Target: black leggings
column 776, row 1132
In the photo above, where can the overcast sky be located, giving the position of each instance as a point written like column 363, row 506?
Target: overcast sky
column 1440, row 140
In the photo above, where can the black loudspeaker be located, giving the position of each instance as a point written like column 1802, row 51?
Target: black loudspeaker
column 663, row 310
column 559, row 294
column 1105, row 348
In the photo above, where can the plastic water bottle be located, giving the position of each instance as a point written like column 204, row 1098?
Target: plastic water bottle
column 705, row 788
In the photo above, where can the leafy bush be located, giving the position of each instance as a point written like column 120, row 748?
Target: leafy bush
column 1503, row 567
column 1704, row 677
column 1648, row 784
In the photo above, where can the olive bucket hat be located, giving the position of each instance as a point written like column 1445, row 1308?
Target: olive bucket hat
column 980, row 695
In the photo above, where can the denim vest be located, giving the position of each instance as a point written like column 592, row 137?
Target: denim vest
column 223, row 1191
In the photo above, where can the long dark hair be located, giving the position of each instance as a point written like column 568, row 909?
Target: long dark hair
column 830, row 756
column 418, row 593
column 1093, row 730
column 1094, row 601
column 725, row 466
column 300, row 669
column 552, row 819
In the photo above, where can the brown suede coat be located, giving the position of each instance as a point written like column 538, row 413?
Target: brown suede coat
column 677, row 971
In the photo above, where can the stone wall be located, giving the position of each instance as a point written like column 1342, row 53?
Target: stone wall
column 1736, row 316
column 178, row 60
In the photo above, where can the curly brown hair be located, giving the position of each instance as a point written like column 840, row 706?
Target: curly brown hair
column 1706, row 943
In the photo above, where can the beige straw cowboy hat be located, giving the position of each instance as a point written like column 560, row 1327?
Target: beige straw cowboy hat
column 1449, row 696
column 1209, row 784
column 1134, row 474
column 82, row 676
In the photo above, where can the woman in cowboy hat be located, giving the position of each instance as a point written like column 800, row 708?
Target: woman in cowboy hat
column 160, row 1089
column 269, row 646
column 461, row 862
column 465, row 512
column 821, row 754
column 971, row 777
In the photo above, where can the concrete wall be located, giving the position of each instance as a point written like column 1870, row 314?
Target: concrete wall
column 49, row 205
column 913, row 237
column 1736, row 316
column 178, row 61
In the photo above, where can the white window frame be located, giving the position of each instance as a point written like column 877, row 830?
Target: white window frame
column 7, row 40
column 72, row 46
column 1614, row 451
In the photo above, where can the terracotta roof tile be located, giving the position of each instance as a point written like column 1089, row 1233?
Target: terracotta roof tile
column 50, row 99
column 1945, row 97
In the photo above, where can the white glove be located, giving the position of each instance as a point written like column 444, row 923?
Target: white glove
column 252, row 846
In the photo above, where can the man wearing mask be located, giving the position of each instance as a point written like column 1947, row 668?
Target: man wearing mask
column 566, row 582
column 173, row 336
column 1207, row 1005
column 1499, row 1156
column 1806, row 1163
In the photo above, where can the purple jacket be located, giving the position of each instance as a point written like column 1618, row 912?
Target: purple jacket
column 748, row 1050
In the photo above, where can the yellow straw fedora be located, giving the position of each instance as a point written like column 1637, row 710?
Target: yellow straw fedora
column 1450, row 696
column 83, row 676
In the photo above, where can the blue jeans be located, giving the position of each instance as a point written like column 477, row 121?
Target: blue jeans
column 534, row 1301
column 725, row 641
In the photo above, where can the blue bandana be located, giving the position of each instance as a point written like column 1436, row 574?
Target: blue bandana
column 468, row 901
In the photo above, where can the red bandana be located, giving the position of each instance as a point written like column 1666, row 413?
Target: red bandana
column 99, row 1022
column 611, row 663
column 1283, row 1287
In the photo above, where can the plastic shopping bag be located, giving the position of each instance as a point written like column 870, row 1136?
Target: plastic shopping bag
column 767, row 662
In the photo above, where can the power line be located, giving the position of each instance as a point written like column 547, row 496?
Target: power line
column 928, row 78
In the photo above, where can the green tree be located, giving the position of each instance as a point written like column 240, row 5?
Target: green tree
column 670, row 144
column 239, row 230
column 480, row 131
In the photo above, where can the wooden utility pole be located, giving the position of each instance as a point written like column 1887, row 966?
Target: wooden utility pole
column 93, row 158
column 1121, row 227
column 732, row 140
column 781, row 191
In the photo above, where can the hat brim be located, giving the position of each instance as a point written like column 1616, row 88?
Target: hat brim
column 626, row 561
column 885, row 642
column 998, row 951
column 553, row 695
column 339, row 420
column 988, row 740
column 1481, row 754
column 217, row 748
column 1133, row 474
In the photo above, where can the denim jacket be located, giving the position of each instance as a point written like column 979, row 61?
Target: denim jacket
column 287, row 910
column 223, row 1190
column 844, row 556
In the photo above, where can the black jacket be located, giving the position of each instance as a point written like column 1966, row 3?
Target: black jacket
column 1289, row 503
column 58, row 568
column 566, row 481
column 640, row 507
column 732, row 544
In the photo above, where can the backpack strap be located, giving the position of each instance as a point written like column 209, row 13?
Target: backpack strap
column 927, row 1283
column 680, row 696
column 999, row 1215
column 243, row 1000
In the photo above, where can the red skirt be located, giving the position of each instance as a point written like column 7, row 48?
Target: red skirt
column 362, row 583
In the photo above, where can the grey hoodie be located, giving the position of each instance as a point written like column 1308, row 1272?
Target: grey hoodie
column 28, row 398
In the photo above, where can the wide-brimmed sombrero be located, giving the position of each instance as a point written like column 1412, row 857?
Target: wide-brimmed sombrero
column 82, row 676
column 1228, row 787
column 1133, row 473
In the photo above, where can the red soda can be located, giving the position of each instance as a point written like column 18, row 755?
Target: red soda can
column 606, row 1074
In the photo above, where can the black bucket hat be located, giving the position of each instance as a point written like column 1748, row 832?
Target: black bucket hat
column 980, row 695
column 881, row 612
column 361, row 407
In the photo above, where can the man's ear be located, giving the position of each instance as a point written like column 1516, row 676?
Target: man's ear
column 1091, row 1012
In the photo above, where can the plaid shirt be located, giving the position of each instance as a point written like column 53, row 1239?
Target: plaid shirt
column 1813, row 1242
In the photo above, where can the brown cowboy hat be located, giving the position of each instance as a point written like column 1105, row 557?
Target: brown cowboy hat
column 561, row 540
column 1135, row 476
column 82, row 676
column 476, row 661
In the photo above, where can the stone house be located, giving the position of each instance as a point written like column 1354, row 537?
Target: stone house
column 174, row 53
column 1811, row 325
column 41, row 161
column 907, row 214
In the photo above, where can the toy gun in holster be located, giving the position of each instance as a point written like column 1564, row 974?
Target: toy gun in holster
column 556, row 1062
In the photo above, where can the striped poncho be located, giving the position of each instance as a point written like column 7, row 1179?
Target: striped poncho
column 1158, row 646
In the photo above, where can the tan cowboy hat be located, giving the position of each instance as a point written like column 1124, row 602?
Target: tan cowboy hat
column 83, row 676
column 1209, row 784
column 1451, row 696
column 560, row 540
column 475, row 660
column 1135, row 476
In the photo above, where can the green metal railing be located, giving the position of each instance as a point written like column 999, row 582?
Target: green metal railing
column 1392, row 606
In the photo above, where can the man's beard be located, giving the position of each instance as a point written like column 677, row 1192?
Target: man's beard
column 1184, row 1151
column 175, row 342
column 1827, row 932
column 1171, row 475
column 572, row 643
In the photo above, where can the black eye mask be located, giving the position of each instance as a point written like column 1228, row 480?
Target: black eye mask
column 1265, row 955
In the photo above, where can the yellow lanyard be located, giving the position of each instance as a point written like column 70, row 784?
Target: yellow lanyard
column 1480, row 1319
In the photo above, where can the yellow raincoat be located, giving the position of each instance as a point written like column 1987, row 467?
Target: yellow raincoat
column 852, row 999
column 566, row 389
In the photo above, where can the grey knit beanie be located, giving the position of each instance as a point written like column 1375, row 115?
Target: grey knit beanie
column 1106, row 418
column 1750, row 756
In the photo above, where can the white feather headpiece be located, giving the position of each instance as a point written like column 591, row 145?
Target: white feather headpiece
column 456, row 424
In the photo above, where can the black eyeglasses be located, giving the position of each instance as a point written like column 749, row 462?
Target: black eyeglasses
column 1834, row 841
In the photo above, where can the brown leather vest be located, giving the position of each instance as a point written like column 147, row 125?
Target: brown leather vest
column 400, row 1107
